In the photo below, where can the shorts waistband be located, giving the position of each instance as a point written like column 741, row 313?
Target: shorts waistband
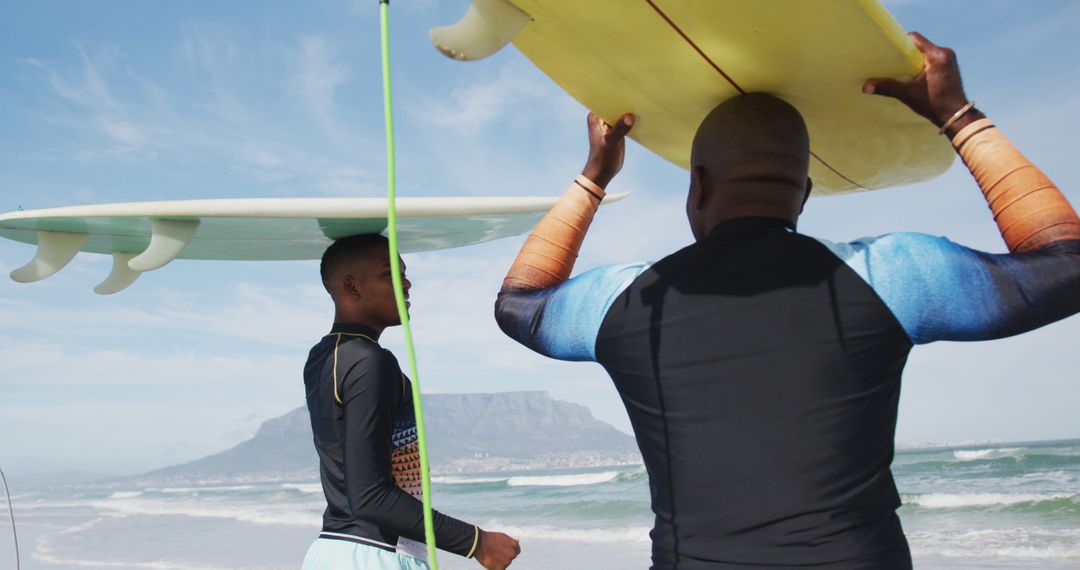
column 357, row 539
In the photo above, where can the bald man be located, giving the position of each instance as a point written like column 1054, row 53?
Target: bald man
column 760, row 367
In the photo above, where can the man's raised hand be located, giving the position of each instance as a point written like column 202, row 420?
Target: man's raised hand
column 936, row 92
column 607, row 145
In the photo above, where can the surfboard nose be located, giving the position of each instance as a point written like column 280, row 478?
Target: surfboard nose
column 487, row 26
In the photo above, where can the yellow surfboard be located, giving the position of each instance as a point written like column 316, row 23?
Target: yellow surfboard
column 671, row 61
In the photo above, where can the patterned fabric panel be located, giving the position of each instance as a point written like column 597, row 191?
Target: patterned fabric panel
column 405, row 464
column 406, row 451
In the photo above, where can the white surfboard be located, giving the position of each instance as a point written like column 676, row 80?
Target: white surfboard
column 143, row 236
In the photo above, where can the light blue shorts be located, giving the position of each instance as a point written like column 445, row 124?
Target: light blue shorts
column 345, row 554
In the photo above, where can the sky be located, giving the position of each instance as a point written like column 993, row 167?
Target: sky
column 131, row 101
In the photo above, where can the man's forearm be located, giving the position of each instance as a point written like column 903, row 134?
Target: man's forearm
column 1030, row 211
column 548, row 256
column 391, row 508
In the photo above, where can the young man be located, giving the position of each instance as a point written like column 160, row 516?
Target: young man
column 365, row 431
column 760, row 367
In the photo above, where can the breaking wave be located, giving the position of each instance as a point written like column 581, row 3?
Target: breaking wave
column 563, row 480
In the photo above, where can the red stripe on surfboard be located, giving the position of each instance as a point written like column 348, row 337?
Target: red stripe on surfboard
column 728, row 78
column 837, row 172
column 695, row 46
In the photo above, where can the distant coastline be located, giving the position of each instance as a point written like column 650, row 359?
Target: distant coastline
column 466, row 433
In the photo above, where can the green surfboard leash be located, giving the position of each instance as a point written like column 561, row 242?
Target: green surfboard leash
column 399, row 292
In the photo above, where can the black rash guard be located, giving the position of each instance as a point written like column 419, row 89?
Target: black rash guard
column 764, row 375
column 365, row 434
column 761, row 372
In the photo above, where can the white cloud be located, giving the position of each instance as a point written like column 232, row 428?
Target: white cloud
column 505, row 132
column 37, row 364
column 105, row 110
column 114, row 126
column 271, row 316
column 123, row 132
column 89, row 87
column 318, row 77
column 516, row 94
column 207, row 46
column 352, row 181
column 129, row 408
column 279, row 316
column 214, row 54
column 151, row 355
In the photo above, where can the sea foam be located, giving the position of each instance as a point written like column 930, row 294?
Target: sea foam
column 46, row 556
column 1014, row 543
column 304, row 487
column 960, row 500
column 614, row 535
column 995, row 453
column 306, row 514
column 563, row 480
column 451, row 480
column 207, row 489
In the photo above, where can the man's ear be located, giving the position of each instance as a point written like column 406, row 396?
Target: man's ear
column 350, row 287
column 809, row 188
column 700, row 187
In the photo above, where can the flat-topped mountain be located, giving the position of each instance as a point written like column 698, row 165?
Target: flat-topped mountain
column 464, row 431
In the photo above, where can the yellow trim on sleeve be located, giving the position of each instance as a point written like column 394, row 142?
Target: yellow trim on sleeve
column 475, row 542
column 337, row 398
column 337, row 344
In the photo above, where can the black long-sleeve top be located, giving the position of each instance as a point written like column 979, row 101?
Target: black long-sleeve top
column 761, row 368
column 365, row 434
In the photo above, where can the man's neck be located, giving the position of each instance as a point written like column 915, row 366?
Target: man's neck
column 737, row 211
column 343, row 318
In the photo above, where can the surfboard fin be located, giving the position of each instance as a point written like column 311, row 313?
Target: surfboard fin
column 121, row 276
column 167, row 239
column 54, row 251
column 487, row 26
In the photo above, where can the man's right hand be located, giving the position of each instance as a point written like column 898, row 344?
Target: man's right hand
column 607, row 145
column 496, row 550
column 936, row 93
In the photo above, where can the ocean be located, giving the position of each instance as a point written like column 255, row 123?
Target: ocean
column 984, row 506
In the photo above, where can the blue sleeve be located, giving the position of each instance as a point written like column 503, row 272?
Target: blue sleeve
column 562, row 322
column 939, row 290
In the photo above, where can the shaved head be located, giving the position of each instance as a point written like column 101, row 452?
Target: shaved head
column 358, row 274
column 741, row 136
column 750, row 156
column 344, row 253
